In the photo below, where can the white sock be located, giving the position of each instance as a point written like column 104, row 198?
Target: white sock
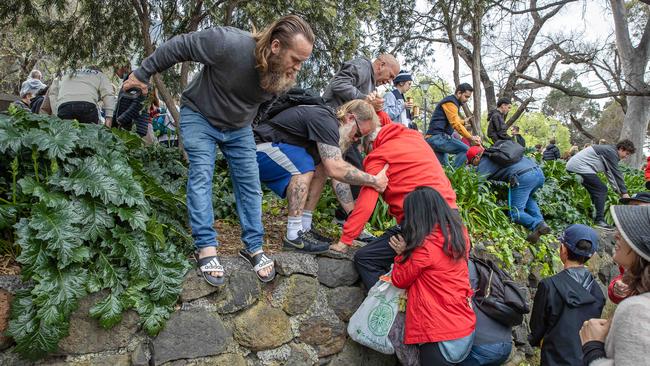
column 306, row 220
column 294, row 224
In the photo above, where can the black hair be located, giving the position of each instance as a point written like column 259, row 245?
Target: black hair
column 463, row 88
column 503, row 101
column 551, row 141
column 583, row 245
column 626, row 145
column 516, row 128
column 425, row 211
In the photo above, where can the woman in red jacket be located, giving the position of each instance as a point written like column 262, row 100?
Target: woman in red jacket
column 431, row 264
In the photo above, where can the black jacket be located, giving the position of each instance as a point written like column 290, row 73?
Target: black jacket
column 519, row 139
column 497, row 128
column 551, row 153
column 562, row 303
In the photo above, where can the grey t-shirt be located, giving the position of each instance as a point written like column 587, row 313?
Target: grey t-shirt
column 227, row 90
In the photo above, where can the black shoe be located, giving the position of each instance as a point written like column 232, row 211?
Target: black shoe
column 533, row 237
column 305, row 243
column 318, row 236
column 543, row 229
column 603, row 225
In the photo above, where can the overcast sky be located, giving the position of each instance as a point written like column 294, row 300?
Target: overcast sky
column 590, row 18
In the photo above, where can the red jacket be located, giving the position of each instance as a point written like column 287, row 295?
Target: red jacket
column 647, row 170
column 384, row 118
column 439, row 296
column 411, row 162
column 610, row 289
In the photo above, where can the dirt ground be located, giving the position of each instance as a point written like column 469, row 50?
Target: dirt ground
column 228, row 234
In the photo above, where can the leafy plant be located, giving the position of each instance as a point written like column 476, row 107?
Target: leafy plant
column 90, row 211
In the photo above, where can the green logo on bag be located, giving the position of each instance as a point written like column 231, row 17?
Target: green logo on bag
column 381, row 318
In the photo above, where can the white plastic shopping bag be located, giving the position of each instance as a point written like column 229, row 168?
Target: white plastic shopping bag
column 373, row 320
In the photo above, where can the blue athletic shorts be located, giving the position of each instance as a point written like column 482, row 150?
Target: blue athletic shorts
column 279, row 161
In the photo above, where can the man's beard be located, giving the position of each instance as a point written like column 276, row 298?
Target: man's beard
column 344, row 137
column 275, row 80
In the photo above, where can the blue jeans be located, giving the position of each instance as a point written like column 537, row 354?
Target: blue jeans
column 200, row 139
column 443, row 144
column 488, row 354
column 523, row 207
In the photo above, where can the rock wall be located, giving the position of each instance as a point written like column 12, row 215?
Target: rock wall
column 298, row 319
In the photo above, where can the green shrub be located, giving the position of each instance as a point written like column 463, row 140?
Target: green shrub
column 88, row 211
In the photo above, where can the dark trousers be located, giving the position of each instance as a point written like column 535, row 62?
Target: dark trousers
column 84, row 112
column 430, row 355
column 352, row 156
column 598, row 192
column 375, row 259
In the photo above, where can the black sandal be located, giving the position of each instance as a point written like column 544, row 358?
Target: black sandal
column 211, row 264
column 259, row 262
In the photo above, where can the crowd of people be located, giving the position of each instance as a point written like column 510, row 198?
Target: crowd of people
column 295, row 151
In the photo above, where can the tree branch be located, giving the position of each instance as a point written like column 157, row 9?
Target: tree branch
column 533, row 9
column 580, row 128
column 574, row 93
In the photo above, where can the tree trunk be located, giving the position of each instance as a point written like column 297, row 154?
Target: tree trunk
column 635, row 127
column 633, row 62
column 145, row 24
column 476, row 66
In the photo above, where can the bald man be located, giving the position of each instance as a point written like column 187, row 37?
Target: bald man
column 357, row 79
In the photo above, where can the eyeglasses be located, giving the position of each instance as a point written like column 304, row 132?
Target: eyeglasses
column 358, row 134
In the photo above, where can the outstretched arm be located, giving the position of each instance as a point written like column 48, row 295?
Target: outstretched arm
column 339, row 169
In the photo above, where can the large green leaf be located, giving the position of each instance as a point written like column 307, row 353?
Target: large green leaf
column 56, row 137
column 111, row 274
column 11, row 135
column 7, row 215
column 137, row 251
column 109, row 311
column 34, row 256
column 61, row 288
column 34, row 338
column 56, row 226
column 133, row 216
column 95, row 218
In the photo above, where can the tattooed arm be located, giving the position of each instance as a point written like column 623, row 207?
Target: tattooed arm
column 339, row 169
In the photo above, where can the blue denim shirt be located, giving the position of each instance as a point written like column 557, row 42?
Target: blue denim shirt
column 490, row 170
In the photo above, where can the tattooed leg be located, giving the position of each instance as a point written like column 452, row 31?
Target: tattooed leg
column 344, row 195
column 297, row 193
column 316, row 187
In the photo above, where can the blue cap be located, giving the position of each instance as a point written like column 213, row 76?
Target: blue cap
column 574, row 233
column 402, row 76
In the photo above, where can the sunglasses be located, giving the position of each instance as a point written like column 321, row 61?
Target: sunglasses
column 358, row 134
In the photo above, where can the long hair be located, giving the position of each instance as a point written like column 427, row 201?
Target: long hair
column 363, row 110
column 637, row 277
column 425, row 211
column 284, row 30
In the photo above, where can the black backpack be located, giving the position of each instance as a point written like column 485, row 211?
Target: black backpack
column 505, row 152
column 497, row 295
column 294, row 97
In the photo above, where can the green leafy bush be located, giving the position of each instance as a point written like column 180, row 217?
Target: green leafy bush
column 89, row 211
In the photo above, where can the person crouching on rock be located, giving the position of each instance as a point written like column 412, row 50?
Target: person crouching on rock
column 411, row 164
column 525, row 178
column 431, row 264
column 299, row 148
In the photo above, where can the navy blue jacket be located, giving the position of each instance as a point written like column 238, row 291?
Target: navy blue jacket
column 439, row 123
column 562, row 303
